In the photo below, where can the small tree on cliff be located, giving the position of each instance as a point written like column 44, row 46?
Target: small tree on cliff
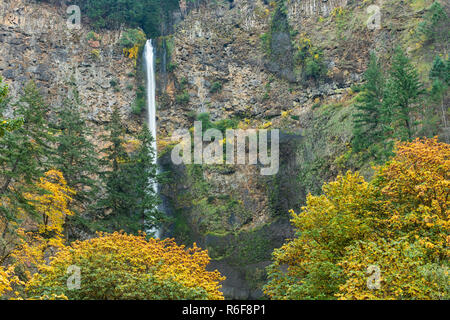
column 6, row 124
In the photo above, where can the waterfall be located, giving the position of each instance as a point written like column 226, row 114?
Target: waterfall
column 151, row 106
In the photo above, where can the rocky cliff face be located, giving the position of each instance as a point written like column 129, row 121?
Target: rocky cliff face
column 37, row 45
column 219, row 45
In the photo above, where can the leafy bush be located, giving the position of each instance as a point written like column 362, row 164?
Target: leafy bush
column 314, row 68
column 183, row 98
column 310, row 59
column 216, row 87
column 120, row 266
column 91, row 35
column 171, row 66
column 132, row 38
column 139, row 102
column 221, row 125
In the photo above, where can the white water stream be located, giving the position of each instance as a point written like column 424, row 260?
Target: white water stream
column 149, row 64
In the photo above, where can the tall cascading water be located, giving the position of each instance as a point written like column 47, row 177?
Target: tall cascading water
column 149, row 63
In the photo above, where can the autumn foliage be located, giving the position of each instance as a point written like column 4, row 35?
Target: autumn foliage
column 112, row 266
column 52, row 204
column 398, row 222
column 121, row 266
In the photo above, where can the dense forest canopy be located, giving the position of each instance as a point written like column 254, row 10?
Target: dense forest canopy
column 112, row 14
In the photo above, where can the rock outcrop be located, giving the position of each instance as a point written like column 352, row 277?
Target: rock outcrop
column 36, row 44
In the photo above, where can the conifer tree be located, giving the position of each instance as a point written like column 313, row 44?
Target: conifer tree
column 402, row 95
column 23, row 160
column 368, row 128
column 435, row 24
column 25, row 151
column 129, row 180
column 75, row 155
column 440, row 75
column 143, row 173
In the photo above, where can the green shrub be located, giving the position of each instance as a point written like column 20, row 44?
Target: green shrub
column 314, row 68
column 132, row 37
column 182, row 98
column 171, row 66
column 216, row 87
column 91, row 35
column 435, row 24
column 139, row 103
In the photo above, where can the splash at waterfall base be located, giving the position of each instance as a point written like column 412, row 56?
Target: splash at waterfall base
column 234, row 143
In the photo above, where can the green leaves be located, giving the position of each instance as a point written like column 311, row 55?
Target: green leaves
column 146, row 14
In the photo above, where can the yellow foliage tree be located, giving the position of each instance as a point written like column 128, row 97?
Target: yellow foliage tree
column 132, row 53
column 52, row 203
column 398, row 223
column 404, row 272
column 415, row 186
column 35, row 246
column 306, row 267
column 121, row 266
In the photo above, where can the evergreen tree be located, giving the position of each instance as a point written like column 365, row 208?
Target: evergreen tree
column 440, row 76
column 435, row 26
column 144, row 177
column 6, row 124
column 402, row 95
column 440, row 70
column 146, row 14
column 23, row 158
column 129, row 180
column 368, row 128
column 76, row 155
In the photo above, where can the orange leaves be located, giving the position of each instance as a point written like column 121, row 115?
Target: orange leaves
column 398, row 222
column 53, row 203
column 128, row 266
column 416, row 182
